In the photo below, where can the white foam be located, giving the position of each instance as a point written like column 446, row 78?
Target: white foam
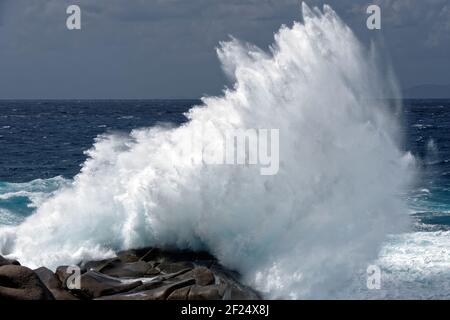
column 415, row 266
column 37, row 191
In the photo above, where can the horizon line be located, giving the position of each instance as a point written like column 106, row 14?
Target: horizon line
column 93, row 99
column 177, row 99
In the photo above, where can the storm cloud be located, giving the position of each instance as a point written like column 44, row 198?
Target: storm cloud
column 166, row 48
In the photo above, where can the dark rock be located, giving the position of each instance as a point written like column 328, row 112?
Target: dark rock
column 226, row 274
column 149, row 285
column 153, row 272
column 6, row 262
column 21, row 283
column 212, row 292
column 172, row 267
column 205, row 263
column 138, row 274
column 175, row 275
column 202, row 275
column 100, row 264
column 132, row 255
column 160, row 293
column 95, row 284
column 162, row 280
column 52, row 283
column 234, row 290
column 159, row 255
column 62, row 273
column 127, row 270
column 237, row 292
column 179, row 294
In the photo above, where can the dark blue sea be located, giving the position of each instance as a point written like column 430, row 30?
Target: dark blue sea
column 43, row 143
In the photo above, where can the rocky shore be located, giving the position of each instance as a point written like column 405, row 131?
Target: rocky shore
column 140, row 274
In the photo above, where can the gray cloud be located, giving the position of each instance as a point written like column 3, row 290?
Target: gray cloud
column 165, row 48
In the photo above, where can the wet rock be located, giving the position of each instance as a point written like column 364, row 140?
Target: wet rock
column 162, row 280
column 202, row 275
column 95, row 284
column 234, row 290
column 179, row 294
column 172, row 267
column 21, row 283
column 175, row 275
column 153, row 272
column 132, row 255
column 6, row 262
column 100, row 264
column 159, row 255
column 212, row 292
column 140, row 274
column 52, row 282
column 149, row 285
column 159, row 293
column 63, row 273
column 127, row 270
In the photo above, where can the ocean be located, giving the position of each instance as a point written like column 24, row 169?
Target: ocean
column 359, row 207
column 44, row 144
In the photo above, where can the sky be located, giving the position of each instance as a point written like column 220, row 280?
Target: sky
column 137, row 49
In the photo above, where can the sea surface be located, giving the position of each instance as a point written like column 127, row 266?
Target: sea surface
column 43, row 143
column 43, row 146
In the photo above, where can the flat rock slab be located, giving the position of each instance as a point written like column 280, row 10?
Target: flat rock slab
column 172, row 267
column 160, row 255
column 202, row 275
column 127, row 270
column 95, row 284
column 160, row 293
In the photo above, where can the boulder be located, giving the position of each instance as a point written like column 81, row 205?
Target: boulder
column 21, row 283
column 5, row 262
column 52, row 283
